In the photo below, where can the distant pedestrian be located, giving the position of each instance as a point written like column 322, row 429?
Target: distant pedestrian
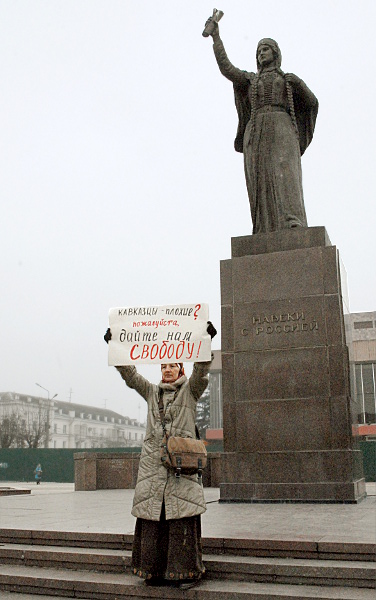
column 38, row 474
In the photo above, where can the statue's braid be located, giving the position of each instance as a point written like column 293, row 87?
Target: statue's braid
column 254, row 102
column 290, row 101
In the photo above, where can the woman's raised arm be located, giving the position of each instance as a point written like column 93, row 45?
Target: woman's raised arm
column 129, row 373
column 134, row 380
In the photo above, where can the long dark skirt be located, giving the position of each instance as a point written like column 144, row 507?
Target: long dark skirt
column 168, row 549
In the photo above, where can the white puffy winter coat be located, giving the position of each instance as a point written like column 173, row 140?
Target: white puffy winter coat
column 184, row 496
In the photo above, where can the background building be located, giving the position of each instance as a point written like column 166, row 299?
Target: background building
column 361, row 329
column 70, row 425
column 215, row 430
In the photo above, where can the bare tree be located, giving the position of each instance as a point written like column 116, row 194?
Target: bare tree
column 9, row 429
column 34, row 431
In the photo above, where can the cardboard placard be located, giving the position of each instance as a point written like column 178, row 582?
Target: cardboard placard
column 159, row 334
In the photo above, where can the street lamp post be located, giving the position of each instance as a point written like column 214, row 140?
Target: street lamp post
column 48, row 412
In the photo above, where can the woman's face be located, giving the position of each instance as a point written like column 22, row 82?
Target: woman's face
column 265, row 55
column 170, row 372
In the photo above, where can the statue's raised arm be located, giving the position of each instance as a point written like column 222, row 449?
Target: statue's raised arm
column 277, row 114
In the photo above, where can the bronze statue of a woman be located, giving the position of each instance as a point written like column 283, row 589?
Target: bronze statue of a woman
column 277, row 114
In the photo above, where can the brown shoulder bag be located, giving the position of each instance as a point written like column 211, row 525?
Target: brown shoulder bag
column 185, row 456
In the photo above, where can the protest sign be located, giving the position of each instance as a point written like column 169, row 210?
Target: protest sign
column 159, row 334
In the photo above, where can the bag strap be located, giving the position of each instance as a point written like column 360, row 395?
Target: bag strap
column 161, row 411
column 162, row 414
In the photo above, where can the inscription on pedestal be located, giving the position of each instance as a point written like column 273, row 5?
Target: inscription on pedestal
column 285, row 323
column 279, row 324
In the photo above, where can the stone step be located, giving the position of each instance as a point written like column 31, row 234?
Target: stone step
column 296, row 571
column 101, row 560
column 105, row 586
column 21, row 596
column 229, row 546
column 292, row 571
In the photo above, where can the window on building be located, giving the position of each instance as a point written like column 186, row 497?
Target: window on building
column 64, row 429
column 55, row 428
column 64, row 444
column 215, row 400
column 366, row 391
column 363, row 324
column 359, row 391
column 135, row 435
column 369, row 392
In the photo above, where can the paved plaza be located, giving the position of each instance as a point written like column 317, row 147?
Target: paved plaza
column 57, row 507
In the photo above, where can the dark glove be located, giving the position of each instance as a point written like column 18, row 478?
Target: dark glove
column 107, row 336
column 211, row 330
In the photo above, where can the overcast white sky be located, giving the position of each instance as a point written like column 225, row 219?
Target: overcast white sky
column 119, row 182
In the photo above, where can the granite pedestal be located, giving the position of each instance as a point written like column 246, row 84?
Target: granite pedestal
column 287, row 416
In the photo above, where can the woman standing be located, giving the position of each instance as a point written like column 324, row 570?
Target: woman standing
column 277, row 114
column 167, row 540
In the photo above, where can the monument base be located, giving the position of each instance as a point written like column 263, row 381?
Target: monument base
column 311, row 493
column 314, row 477
column 287, row 408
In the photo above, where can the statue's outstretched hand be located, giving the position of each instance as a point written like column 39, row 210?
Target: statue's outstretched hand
column 211, row 28
column 107, row 336
column 291, row 78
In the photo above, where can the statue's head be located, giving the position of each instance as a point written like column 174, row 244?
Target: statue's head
column 267, row 52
